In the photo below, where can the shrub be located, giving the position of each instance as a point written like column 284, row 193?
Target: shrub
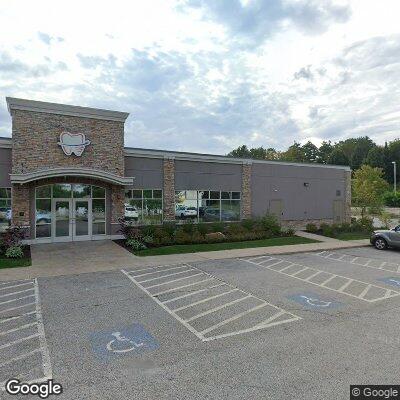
column 14, row 252
column 270, row 223
column 289, row 231
column 12, row 236
column 182, row 237
column 249, row 224
column 385, row 217
column 135, row 244
column 148, row 230
column 148, row 239
column 128, row 230
column 203, row 228
column 391, row 199
column 366, row 224
column 188, row 227
column 235, row 229
column 217, row 227
column 169, row 228
column 312, row 228
column 327, row 230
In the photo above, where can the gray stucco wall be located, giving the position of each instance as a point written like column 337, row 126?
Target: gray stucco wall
column 5, row 167
column 286, row 183
column 192, row 175
column 148, row 172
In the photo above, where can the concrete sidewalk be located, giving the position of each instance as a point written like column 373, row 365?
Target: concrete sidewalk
column 82, row 257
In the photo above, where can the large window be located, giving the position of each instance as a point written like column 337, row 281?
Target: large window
column 144, row 206
column 207, row 205
column 5, row 208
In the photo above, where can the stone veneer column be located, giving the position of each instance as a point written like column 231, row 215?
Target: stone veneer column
column 20, row 205
column 169, row 189
column 347, row 196
column 117, row 203
column 246, row 190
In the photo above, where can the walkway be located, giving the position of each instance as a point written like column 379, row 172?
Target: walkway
column 81, row 257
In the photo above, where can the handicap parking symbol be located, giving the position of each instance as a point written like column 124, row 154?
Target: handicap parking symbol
column 314, row 301
column 394, row 281
column 129, row 340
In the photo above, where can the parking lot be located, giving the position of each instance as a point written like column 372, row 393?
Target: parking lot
column 302, row 326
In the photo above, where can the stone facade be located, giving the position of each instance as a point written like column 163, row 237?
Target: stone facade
column 246, row 190
column 301, row 224
column 21, row 206
column 36, row 134
column 169, row 189
column 347, row 197
column 117, row 203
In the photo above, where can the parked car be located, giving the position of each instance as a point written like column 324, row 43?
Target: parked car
column 5, row 213
column 383, row 239
column 43, row 217
column 131, row 212
column 185, row 211
column 211, row 214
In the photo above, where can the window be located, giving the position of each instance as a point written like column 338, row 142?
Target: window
column 5, row 208
column 98, row 210
column 207, row 206
column 338, row 193
column 144, row 206
column 43, row 211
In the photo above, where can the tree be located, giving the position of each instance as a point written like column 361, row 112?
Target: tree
column 338, row 157
column 358, row 156
column 258, row 153
column 310, row 152
column 393, row 155
column 294, row 153
column 376, row 158
column 240, row 152
column 368, row 187
column 324, row 151
column 348, row 146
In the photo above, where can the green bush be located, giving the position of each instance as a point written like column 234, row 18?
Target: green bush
column 169, row 228
column 327, row 230
column 270, row 223
column 148, row 230
column 249, row 224
column 182, row 237
column 135, row 244
column 391, row 199
column 14, row 252
column 312, row 228
column 203, row 228
column 148, row 239
column 217, row 227
column 289, row 231
column 235, row 229
column 188, row 227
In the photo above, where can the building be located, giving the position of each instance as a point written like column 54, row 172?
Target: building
column 66, row 176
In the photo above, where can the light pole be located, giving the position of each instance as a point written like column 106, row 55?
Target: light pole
column 394, row 176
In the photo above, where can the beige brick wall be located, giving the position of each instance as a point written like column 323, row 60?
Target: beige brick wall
column 20, row 205
column 35, row 137
column 169, row 189
column 246, row 190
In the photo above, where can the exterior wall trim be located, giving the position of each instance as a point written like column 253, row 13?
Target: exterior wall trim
column 64, row 109
column 81, row 172
column 182, row 156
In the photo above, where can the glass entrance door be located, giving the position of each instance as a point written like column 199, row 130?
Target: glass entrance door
column 81, row 219
column 62, row 220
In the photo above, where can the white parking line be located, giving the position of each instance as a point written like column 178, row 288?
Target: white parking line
column 367, row 286
column 157, row 272
column 360, row 261
column 174, row 280
column 33, row 343
column 14, row 293
column 165, row 276
column 17, row 299
column 205, row 298
column 14, row 286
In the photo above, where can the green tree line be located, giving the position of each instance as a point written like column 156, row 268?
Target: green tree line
column 354, row 152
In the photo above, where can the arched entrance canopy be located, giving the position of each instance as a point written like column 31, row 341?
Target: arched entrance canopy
column 70, row 171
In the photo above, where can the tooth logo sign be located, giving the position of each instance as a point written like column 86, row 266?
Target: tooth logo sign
column 73, row 143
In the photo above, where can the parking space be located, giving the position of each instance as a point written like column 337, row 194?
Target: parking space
column 23, row 349
column 305, row 325
column 208, row 307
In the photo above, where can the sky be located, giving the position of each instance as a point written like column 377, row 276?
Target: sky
column 210, row 75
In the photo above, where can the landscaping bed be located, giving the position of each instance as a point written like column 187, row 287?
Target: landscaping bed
column 357, row 230
column 24, row 261
column 189, row 237
column 196, row 248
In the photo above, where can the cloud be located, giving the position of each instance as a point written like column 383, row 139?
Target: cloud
column 255, row 21
column 47, row 39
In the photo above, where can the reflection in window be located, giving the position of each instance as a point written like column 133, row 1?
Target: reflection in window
column 43, row 218
column 207, row 206
column 144, row 206
column 62, row 190
column 81, row 191
column 5, row 208
column 98, row 216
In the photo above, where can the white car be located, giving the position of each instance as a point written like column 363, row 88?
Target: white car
column 131, row 212
column 185, row 211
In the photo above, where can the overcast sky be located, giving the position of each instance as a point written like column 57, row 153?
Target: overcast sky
column 210, row 75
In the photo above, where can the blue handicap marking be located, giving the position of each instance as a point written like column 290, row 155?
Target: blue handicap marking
column 314, row 301
column 394, row 281
column 130, row 340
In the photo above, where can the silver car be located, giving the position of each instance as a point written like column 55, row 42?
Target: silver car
column 383, row 239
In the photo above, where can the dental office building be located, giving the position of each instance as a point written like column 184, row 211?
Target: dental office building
column 66, row 175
